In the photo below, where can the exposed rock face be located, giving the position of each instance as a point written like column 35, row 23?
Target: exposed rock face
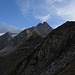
column 40, row 29
column 20, row 47
column 9, row 62
column 4, row 39
column 53, row 55
column 69, row 69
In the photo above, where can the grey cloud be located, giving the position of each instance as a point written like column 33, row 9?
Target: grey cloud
column 8, row 28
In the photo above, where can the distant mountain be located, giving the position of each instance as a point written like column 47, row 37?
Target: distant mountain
column 52, row 55
column 42, row 29
column 31, row 52
column 55, row 55
column 4, row 39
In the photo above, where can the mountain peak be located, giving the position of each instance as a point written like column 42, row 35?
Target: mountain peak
column 53, row 55
column 9, row 33
column 43, row 28
column 45, row 23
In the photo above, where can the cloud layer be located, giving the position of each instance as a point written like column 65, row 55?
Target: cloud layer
column 8, row 28
column 45, row 9
column 68, row 11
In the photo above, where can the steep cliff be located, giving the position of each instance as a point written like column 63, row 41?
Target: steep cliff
column 4, row 39
column 52, row 56
column 42, row 29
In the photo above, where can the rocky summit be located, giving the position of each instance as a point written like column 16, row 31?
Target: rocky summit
column 42, row 29
column 41, row 53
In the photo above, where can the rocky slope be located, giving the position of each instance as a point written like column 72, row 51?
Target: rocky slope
column 42, row 29
column 4, row 39
column 10, row 61
column 21, row 46
column 52, row 55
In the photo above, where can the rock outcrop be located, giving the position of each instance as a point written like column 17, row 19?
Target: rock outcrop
column 52, row 55
column 42, row 29
column 4, row 39
column 21, row 46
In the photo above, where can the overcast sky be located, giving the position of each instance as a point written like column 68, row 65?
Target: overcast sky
column 26, row 13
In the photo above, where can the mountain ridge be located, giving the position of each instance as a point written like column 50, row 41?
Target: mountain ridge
column 38, row 55
column 24, row 35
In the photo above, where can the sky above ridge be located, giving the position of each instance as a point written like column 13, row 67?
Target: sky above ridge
column 27, row 13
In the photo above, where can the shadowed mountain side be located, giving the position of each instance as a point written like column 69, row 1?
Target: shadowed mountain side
column 4, row 39
column 19, row 54
column 41, row 29
column 52, row 55
column 69, row 69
